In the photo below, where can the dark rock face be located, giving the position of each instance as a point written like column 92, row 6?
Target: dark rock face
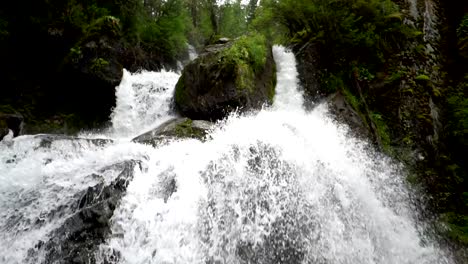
column 13, row 122
column 78, row 238
column 345, row 113
column 307, row 57
column 175, row 128
column 215, row 84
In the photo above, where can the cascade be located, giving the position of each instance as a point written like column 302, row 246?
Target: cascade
column 143, row 102
column 283, row 185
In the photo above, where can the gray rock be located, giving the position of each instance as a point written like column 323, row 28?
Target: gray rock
column 78, row 238
column 48, row 139
column 175, row 128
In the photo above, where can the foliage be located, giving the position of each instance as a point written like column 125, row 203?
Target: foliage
column 332, row 83
column 423, row 78
column 458, row 227
column 201, row 28
column 362, row 32
column 97, row 65
column 457, row 142
column 3, row 29
column 267, row 23
column 382, row 130
column 248, row 55
column 163, row 27
column 462, row 34
column 233, row 21
column 458, row 106
column 107, row 24
column 250, row 49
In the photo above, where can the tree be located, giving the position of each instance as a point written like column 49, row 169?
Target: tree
column 251, row 8
column 232, row 19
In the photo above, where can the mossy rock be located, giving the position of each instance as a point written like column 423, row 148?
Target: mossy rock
column 175, row 128
column 237, row 75
column 422, row 78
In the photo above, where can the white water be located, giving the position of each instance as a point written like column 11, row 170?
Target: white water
column 279, row 186
column 192, row 52
column 143, row 102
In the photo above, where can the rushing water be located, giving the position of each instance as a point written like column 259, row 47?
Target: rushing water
column 282, row 185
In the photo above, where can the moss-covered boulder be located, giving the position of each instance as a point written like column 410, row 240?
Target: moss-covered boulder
column 175, row 128
column 239, row 74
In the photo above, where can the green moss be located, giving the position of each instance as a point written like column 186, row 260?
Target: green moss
column 422, row 78
column 185, row 129
column 382, row 131
column 436, row 92
column 98, row 65
column 250, row 49
column 248, row 54
column 351, row 99
column 107, row 25
column 7, row 109
column 75, row 54
column 332, row 83
column 458, row 227
column 396, row 76
column 355, row 104
column 245, row 77
column 407, row 140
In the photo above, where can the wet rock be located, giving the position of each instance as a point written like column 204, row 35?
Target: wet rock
column 78, row 238
column 13, row 122
column 226, row 77
column 307, row 57
column 345, row 113
column 175, row 128
column 48, row 139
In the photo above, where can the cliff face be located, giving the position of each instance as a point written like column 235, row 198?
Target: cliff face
column 413, row 105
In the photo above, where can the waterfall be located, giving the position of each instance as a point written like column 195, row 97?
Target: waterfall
column 192, row 52
column 283, row 185
column 143, row 102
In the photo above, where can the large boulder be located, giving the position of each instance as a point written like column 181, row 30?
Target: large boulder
column 175, row 128
column 239, row 74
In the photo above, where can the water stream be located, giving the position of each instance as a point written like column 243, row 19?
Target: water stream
column 282, row 185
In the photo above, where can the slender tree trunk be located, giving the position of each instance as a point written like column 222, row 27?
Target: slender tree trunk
column 214, row 16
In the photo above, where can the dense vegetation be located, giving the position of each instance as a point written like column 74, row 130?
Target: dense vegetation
column 411, row 93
